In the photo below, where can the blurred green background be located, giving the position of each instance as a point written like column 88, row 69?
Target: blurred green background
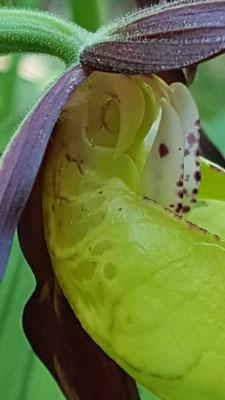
column 22, row 80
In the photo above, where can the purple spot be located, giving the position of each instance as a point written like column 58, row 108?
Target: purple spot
column 163, row 150
column 179, row 183
column 191, row 139
column 197, row 123
column 185, row 191
column 197, row 176
column 181, row 195
column 186, row 152
column 171, row 205
column 197, row 153
column 179, row 149
column 178, row 208
column 197, row 163
column 193, row 200
column 185, row 209
column 195, row 191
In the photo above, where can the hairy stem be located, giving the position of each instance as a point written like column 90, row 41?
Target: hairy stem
column 40, row 32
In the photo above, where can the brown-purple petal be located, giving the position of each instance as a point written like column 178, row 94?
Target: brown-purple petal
column 21, row 162
column 80, row 367
column 172, row 38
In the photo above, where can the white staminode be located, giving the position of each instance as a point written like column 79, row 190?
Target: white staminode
column 186, row 109
column 171, row 175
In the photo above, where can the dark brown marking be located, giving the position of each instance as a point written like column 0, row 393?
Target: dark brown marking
column 178, row 208
column 163, row 150
column 185, row 209
column 179, row 183
column 181, row 194
column 197, row 176
column 197, row 153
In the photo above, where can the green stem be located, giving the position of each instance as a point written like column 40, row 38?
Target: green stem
column 41, row 32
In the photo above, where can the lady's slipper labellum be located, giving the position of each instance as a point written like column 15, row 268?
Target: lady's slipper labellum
column 147, row 286
column 164, row 37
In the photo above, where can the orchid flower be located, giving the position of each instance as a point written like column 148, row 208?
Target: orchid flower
column 112, row 217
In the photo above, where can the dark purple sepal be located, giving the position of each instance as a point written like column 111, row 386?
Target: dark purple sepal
column 80, row 367
column 22, row 160
column 169, row 37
